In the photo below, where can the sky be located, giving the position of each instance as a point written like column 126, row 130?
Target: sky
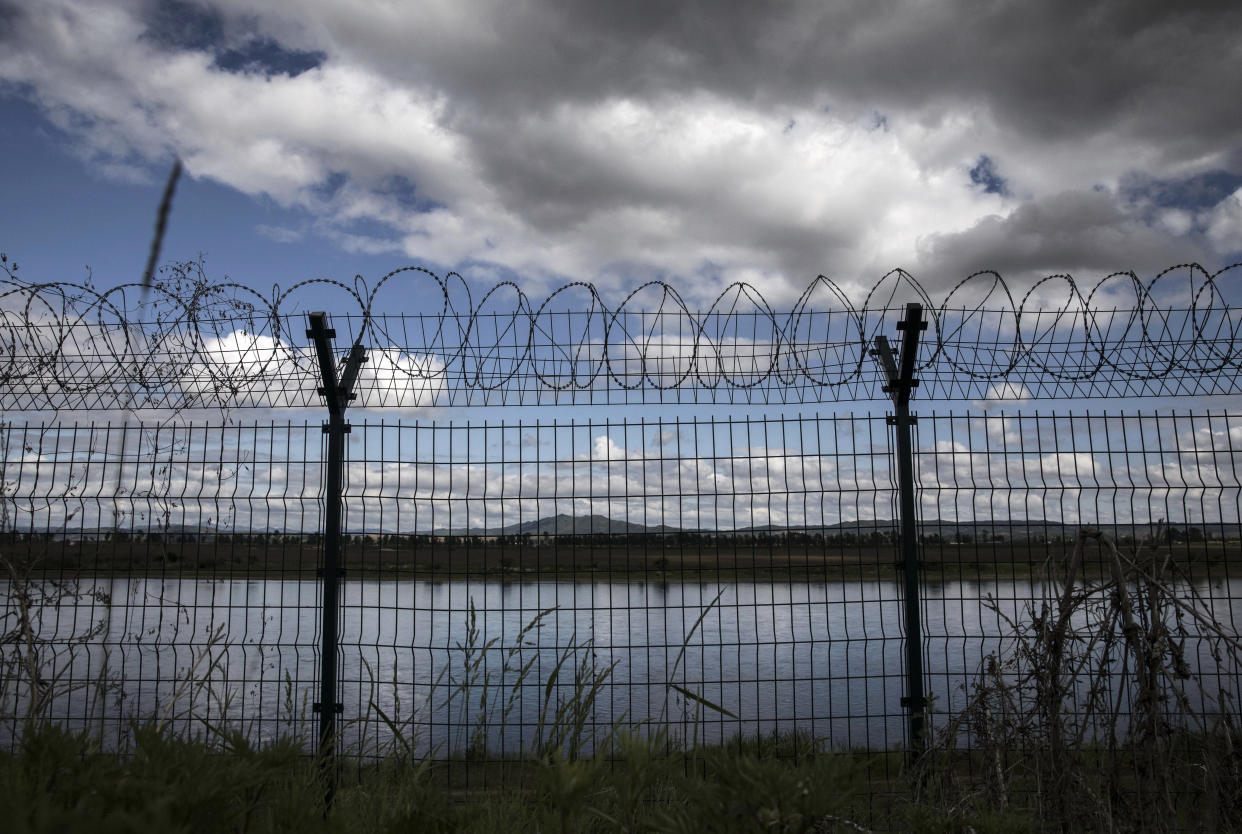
column 545, row 142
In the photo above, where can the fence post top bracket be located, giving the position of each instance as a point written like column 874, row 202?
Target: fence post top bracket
column 900, row 372
column 337, row 390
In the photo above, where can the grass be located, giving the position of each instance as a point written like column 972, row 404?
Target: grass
column 1093, row 718
column 60, row 781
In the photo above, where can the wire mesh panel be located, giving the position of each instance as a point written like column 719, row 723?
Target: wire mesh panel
column 721, row 577
column 1082, row 591
column 159, row 571
column 698, row 567
column 1005, row 501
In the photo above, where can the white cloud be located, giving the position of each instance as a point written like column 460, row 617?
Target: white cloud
column 395, row 381
column 1002, row 394
column 280, row 234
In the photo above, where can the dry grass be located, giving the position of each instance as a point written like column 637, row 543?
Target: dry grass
column 1096, row 718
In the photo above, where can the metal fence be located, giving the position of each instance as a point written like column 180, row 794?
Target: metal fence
column 628, row 528
column 716, row 572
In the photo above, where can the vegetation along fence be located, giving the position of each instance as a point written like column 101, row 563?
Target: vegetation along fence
column 485, row 528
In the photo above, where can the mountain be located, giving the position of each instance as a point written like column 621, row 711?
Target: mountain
column 561, row 525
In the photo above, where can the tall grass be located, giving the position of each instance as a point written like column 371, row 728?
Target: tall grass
column 1095, row 719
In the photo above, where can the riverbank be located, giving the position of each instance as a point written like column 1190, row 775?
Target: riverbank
column 572, row 560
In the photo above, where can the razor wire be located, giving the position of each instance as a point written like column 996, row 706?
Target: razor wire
column 194, row 343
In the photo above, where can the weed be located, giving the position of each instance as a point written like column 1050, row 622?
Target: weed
column 1094, row 718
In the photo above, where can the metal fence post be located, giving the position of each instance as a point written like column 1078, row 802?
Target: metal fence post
column 338, row 394
column 901, row 382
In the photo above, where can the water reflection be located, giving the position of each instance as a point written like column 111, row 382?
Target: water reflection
column 445, row 660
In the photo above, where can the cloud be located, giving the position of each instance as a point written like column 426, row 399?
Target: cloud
column 280, row 234
column 1002, row 394
column 1224, row 224
column 1086, row 233
column 391, row 379
column 620, row 142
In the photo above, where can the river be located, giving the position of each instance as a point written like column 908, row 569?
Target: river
column 444, row 661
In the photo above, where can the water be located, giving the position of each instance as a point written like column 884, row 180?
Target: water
column 708, row 659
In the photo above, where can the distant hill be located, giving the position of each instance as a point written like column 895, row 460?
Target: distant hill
column 561, row 525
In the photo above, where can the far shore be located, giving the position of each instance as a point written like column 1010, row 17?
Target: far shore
column 568, row 559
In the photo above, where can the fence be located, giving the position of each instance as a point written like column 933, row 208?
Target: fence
column 716, row 573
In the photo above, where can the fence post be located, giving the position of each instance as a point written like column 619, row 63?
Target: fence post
column 901, row 382
column 338, row 394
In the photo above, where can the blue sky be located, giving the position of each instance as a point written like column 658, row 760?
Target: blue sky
column 63, row 214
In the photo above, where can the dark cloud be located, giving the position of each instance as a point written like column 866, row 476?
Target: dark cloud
column 552, row 178
column 1076, row 231
column 1054, row 69
column 178, row 24
column 10, row 13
